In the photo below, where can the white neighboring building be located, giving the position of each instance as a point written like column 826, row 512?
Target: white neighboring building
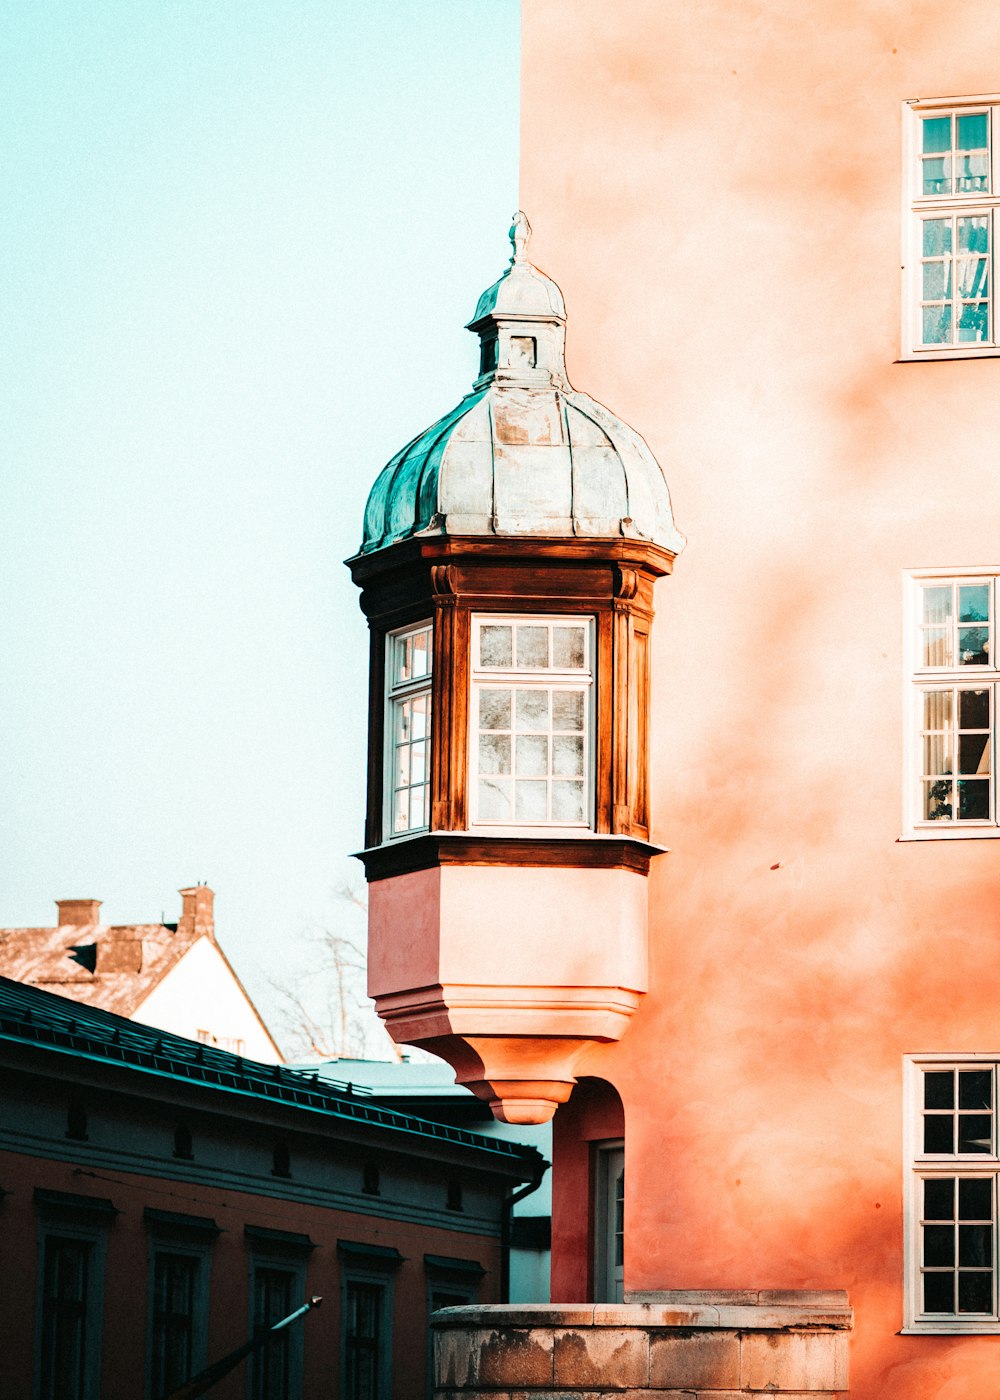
column 174, row 977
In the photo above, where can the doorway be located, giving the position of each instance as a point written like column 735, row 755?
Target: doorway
column 609, row 1222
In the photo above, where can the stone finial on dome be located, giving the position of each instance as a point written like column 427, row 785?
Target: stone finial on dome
column 520, row 232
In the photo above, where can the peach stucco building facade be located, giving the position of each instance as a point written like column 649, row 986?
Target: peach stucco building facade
column 773, row 227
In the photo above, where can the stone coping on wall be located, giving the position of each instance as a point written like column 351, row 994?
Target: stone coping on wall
column 744, row 1309
column 677, row 1345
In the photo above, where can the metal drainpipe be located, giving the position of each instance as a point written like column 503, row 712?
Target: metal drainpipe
column 505, row 1218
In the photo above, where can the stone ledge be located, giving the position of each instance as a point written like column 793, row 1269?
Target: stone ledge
column 718, row 1346
column 743, row 1310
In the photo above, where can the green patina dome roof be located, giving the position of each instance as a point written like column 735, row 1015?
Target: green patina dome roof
column 523, row 454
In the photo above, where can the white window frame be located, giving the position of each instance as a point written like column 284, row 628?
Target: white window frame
column 920, row 678
column 395, row 693
column 918, row 206
column 920, row 1165
column 551, row 678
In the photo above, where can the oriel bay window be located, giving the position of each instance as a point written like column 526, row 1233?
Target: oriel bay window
column 954, row 676
column 509, row 703
column 952, row 1195
column 954, row 193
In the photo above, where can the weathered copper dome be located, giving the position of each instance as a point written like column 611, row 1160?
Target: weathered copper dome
column 524, row 454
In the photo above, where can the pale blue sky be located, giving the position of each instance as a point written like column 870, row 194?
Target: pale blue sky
column 239, row 241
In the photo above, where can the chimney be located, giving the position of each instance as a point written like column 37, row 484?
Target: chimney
column 196, row 913
column 119, row 955
column 78, row 913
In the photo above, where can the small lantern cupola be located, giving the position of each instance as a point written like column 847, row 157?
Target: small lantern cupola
column 521, row 323
column 507, row 571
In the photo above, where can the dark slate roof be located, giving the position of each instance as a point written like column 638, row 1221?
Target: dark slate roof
column 31, row 1017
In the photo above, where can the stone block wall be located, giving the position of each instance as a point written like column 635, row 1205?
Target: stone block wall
column 670, row 1346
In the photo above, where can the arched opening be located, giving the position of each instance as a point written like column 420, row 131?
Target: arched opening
column 588, row 1195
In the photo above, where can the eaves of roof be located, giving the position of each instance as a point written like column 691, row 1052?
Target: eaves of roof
column 64, row 1028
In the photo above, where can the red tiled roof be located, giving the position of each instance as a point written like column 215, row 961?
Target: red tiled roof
column 119, row 967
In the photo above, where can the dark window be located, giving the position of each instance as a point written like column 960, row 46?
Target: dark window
column 453, row 1200
column 443, row 1299
column 272, row 1301
column 65, row 1267
column 183, row 1147
column 282, row 1163
column 362, row 1339
column 76, row 1120
column 370, row 1179
column 175, row 1279
column 488, row 355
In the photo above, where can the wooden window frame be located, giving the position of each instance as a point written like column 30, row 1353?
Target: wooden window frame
column 918, row 207
column 451, row 580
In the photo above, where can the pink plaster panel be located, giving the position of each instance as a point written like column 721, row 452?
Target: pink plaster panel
column 403, row 924
column 543, row 927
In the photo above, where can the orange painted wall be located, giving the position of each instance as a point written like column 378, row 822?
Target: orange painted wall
column 717, row 188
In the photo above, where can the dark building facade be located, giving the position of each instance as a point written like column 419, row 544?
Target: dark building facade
column 160, row 1200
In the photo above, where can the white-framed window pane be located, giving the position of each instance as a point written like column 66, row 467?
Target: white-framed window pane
column 568, row 709
column 495, row 799
column 532, row 647
column 951, row 289
column 408, row 727
column 567, row 802
column 937, row 325
column 952, row 1195
column 532, row 751
column 567, row 755
column 530, row 737
column 496, row 645
column 569, row 646
column 495, row 707
column 531, row 709
column 955, row 711
column 530, row 801
column 494, row 753
column 957, row 1232
column 957, row 722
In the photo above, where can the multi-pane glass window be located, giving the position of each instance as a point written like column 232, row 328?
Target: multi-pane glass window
column 953, row 1195
column 954, row 194
column 175, row 1278
column 272, row 1301
column 531, row 702
column 363, row 1307
column 955, row 681
column 66, row 1267
column 408, row 730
